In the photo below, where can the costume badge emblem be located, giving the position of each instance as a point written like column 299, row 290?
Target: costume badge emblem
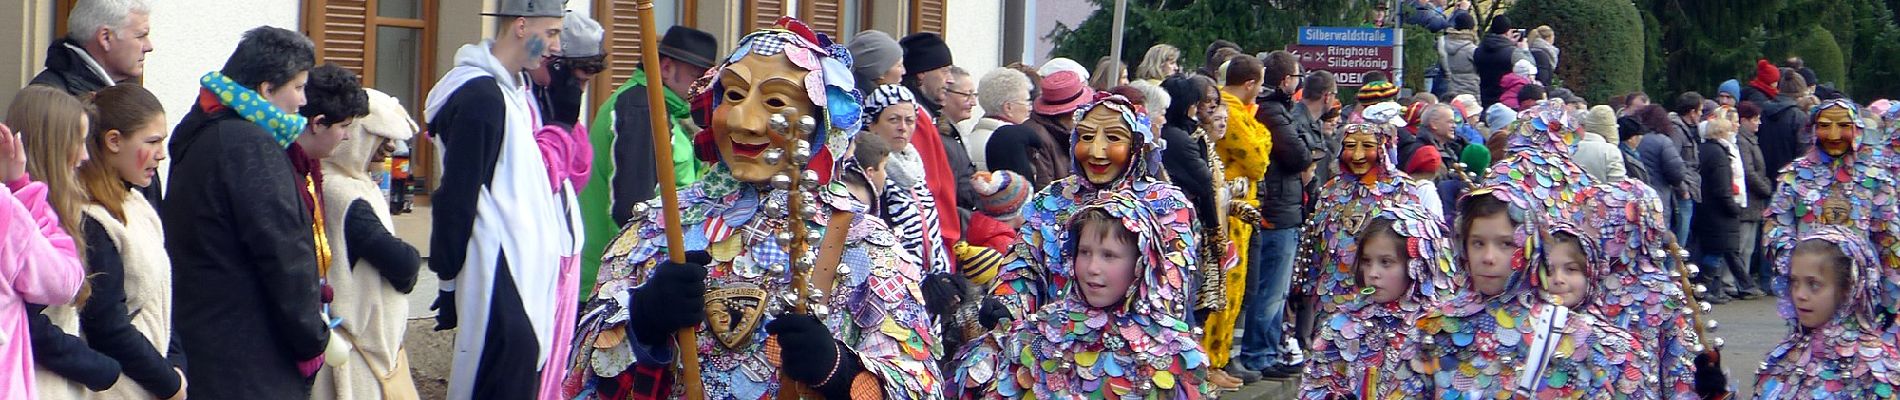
column 733, row 313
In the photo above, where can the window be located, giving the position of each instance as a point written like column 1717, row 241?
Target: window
column 390, row 47
column 621, row 21
column 761, row 14
column 927, row 16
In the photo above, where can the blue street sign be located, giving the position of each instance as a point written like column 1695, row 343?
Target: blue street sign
column 1347, row 36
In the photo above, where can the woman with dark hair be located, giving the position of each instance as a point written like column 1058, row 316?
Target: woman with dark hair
column 1659, row 154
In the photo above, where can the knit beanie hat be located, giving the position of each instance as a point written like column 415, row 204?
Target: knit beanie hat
column 1423, row 160
column 1627, row 127
column 1731, row 87
column 1377, row 92
column 1498, row 116
column 1767, row 78
column 1001, row 194
column 924, row 52
column 1602, row 121
column 1476, row 157
column 872, row 54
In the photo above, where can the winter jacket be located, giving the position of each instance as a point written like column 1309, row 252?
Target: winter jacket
column 1664, row 161
column 129, row 349
column 1633, row 167
column 1598, row 157
column 39, row 263
column 1282, row 193
column 1035, row 149
column 976, row 142
column 1545, row 56
column 1687, row 138
column 1431, row 17
column 939, row 176
column 1780, row 133
column 1493, row 59
column 1760, row 189
column 1718, row 219
column 1455, row 50
column 957, row 153
column 1185, row 159
column 70, row 68
column 1511, row 83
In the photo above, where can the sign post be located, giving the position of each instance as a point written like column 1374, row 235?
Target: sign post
column 1350, row 52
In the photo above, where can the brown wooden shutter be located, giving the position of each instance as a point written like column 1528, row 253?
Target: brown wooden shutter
column 927, row 16
column 622, row 43
column 340, row 29
column 763, row 13
column 824, row 16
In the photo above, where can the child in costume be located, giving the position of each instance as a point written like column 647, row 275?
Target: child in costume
column 1372, row 347
column 869, row 335
column 1835, row 350
column 1368, row 177
column 1117, row 332
column 1639, row 293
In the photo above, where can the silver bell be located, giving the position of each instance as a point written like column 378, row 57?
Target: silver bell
column 778, row 123
column 806, row 123
column 1712, row 326
column 1695, row 269
column 802, row 154
column 781, row 182
column 1719, row 343
column 844, row 269
column 809, row 212
column 784, row 239
column 809, row 177
column 806, row 261
column 1700, row 289
column 772, row 156
column 1698, row 348
column 1706, row 308
column 820, row 310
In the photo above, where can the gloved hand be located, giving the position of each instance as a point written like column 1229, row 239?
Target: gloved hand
column 671, row 300
column 942, row 293
column 444, row 307
column 992, row 313
column 1710, row 381
column 809, row 355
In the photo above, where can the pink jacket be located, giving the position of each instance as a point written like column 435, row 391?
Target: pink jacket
column 38, row 264
column 569, row 155
column 1511, row 83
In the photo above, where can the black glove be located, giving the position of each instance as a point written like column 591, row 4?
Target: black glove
column 444, row 307
column 671, row 300
column 811, row 356
column 992, row 313
column 942, row 293
column 1710, row 381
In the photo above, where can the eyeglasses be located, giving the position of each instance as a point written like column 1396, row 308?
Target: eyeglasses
column 964, row 94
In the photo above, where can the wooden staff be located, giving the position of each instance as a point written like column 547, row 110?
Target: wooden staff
column 822, row 271
column 686, row 338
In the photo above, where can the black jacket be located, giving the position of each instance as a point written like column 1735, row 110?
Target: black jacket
column 1036, row 148
column 1633, row 166
column 1493, row 60
column 243, row 264
column 1760, row 188
column 111, row 345
column 1688, row 140
column 1718, row 219
column 560, row 100
column 960, row 165
column 1282, row 192
column 1780, row 134
column 1186, row 162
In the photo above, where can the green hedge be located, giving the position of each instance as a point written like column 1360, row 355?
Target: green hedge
column 1602, row 42
column 1822, row 52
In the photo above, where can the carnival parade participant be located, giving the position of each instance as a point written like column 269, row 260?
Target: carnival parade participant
column 1371, row 347
column 1638, row 292
column 1835, row 349
column 876, row 341
column 1368, row 178
column 1115, row 150
column 500, row 231
column 1116, row 330
column 1839, row 183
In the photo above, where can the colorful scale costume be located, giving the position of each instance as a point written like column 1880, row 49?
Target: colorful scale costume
column 1067, row 349
column 1844, row 359
column 1641, row 294
column 875, row 306
column 1375, row 350
column 1538, row 162
column 1852, row 191
column 1348, row 201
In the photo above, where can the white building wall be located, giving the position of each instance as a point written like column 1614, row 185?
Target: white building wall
column 974, row 31
column 192, row 37
column 1070, row 13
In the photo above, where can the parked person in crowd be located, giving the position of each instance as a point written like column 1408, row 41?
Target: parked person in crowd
column 1108, row 74
column 371, row 270
column 54, row 127
column 1455, row 50
column 1759, row 190
column 252, row 227
column 1629, row 136
column 1782, row 121
column 1319, row 94
column 1728, row 93
column 1597, row 152
column 498, row 265
column 1523, row 74
column 1161, row 61
column 1683, row 116
column 105, row 43
column 959, row 104
column 1835, row 344
column 1493, row 59
column 1544, row 52
column 1398, row 257
column 1004, row 95
column 41, row 260
column 622, row 137
column 1435, row 15
column 1038, row 151
column 1764, row 87
column 1668, row 172
column 1718, row 217
column 878, row 60
column 1282, row 196
column 927, row 62
column 906, row 206
column 558, row 87
column 1119, row 242
column 1244, row 150
column 1210, row 67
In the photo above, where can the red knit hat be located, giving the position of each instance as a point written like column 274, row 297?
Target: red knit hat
column 1424, row 160
column 1767, row 78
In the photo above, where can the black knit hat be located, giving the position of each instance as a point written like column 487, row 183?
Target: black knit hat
column 924, row 51
column 1627, row 127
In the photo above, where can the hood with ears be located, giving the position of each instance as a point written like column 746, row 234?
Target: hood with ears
column 387, row 119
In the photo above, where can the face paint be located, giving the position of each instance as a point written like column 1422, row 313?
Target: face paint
column 1360, row 152
column 1835, row 131
column 755, row 88
column 1102, row 145
column 536, row 49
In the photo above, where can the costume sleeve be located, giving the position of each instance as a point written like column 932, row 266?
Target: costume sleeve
column 897, row 343
column 1327, row 376
column 395, row 260
column 1886, row 242
column 108, row 326
column 1677, row 344
column 634, row 175
column 66, row 355
column 276, row 231
column 470, row 128
column 38, row 260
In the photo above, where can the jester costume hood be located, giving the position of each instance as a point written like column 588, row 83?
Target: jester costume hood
column 1846, row 357
column 1370, row 349
column 1139, row 348
column 1349, row 200
column 1538, row 161
column 1852, row 191
column 874, row 309
column 1640, row 294
column 1046, row 216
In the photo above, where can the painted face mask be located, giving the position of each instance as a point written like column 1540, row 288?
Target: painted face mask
column 1837, row 126
column 1108, row 130
column 1368, row 180
column 784, row 71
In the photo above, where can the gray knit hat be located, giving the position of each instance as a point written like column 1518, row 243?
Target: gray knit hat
column 528, row 8
column 873, row 53
column 580, row 36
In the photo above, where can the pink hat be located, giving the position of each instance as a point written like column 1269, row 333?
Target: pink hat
column 1062, row 92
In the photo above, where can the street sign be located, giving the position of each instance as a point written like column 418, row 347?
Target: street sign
column 1349, row 64
column 1347, row 36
